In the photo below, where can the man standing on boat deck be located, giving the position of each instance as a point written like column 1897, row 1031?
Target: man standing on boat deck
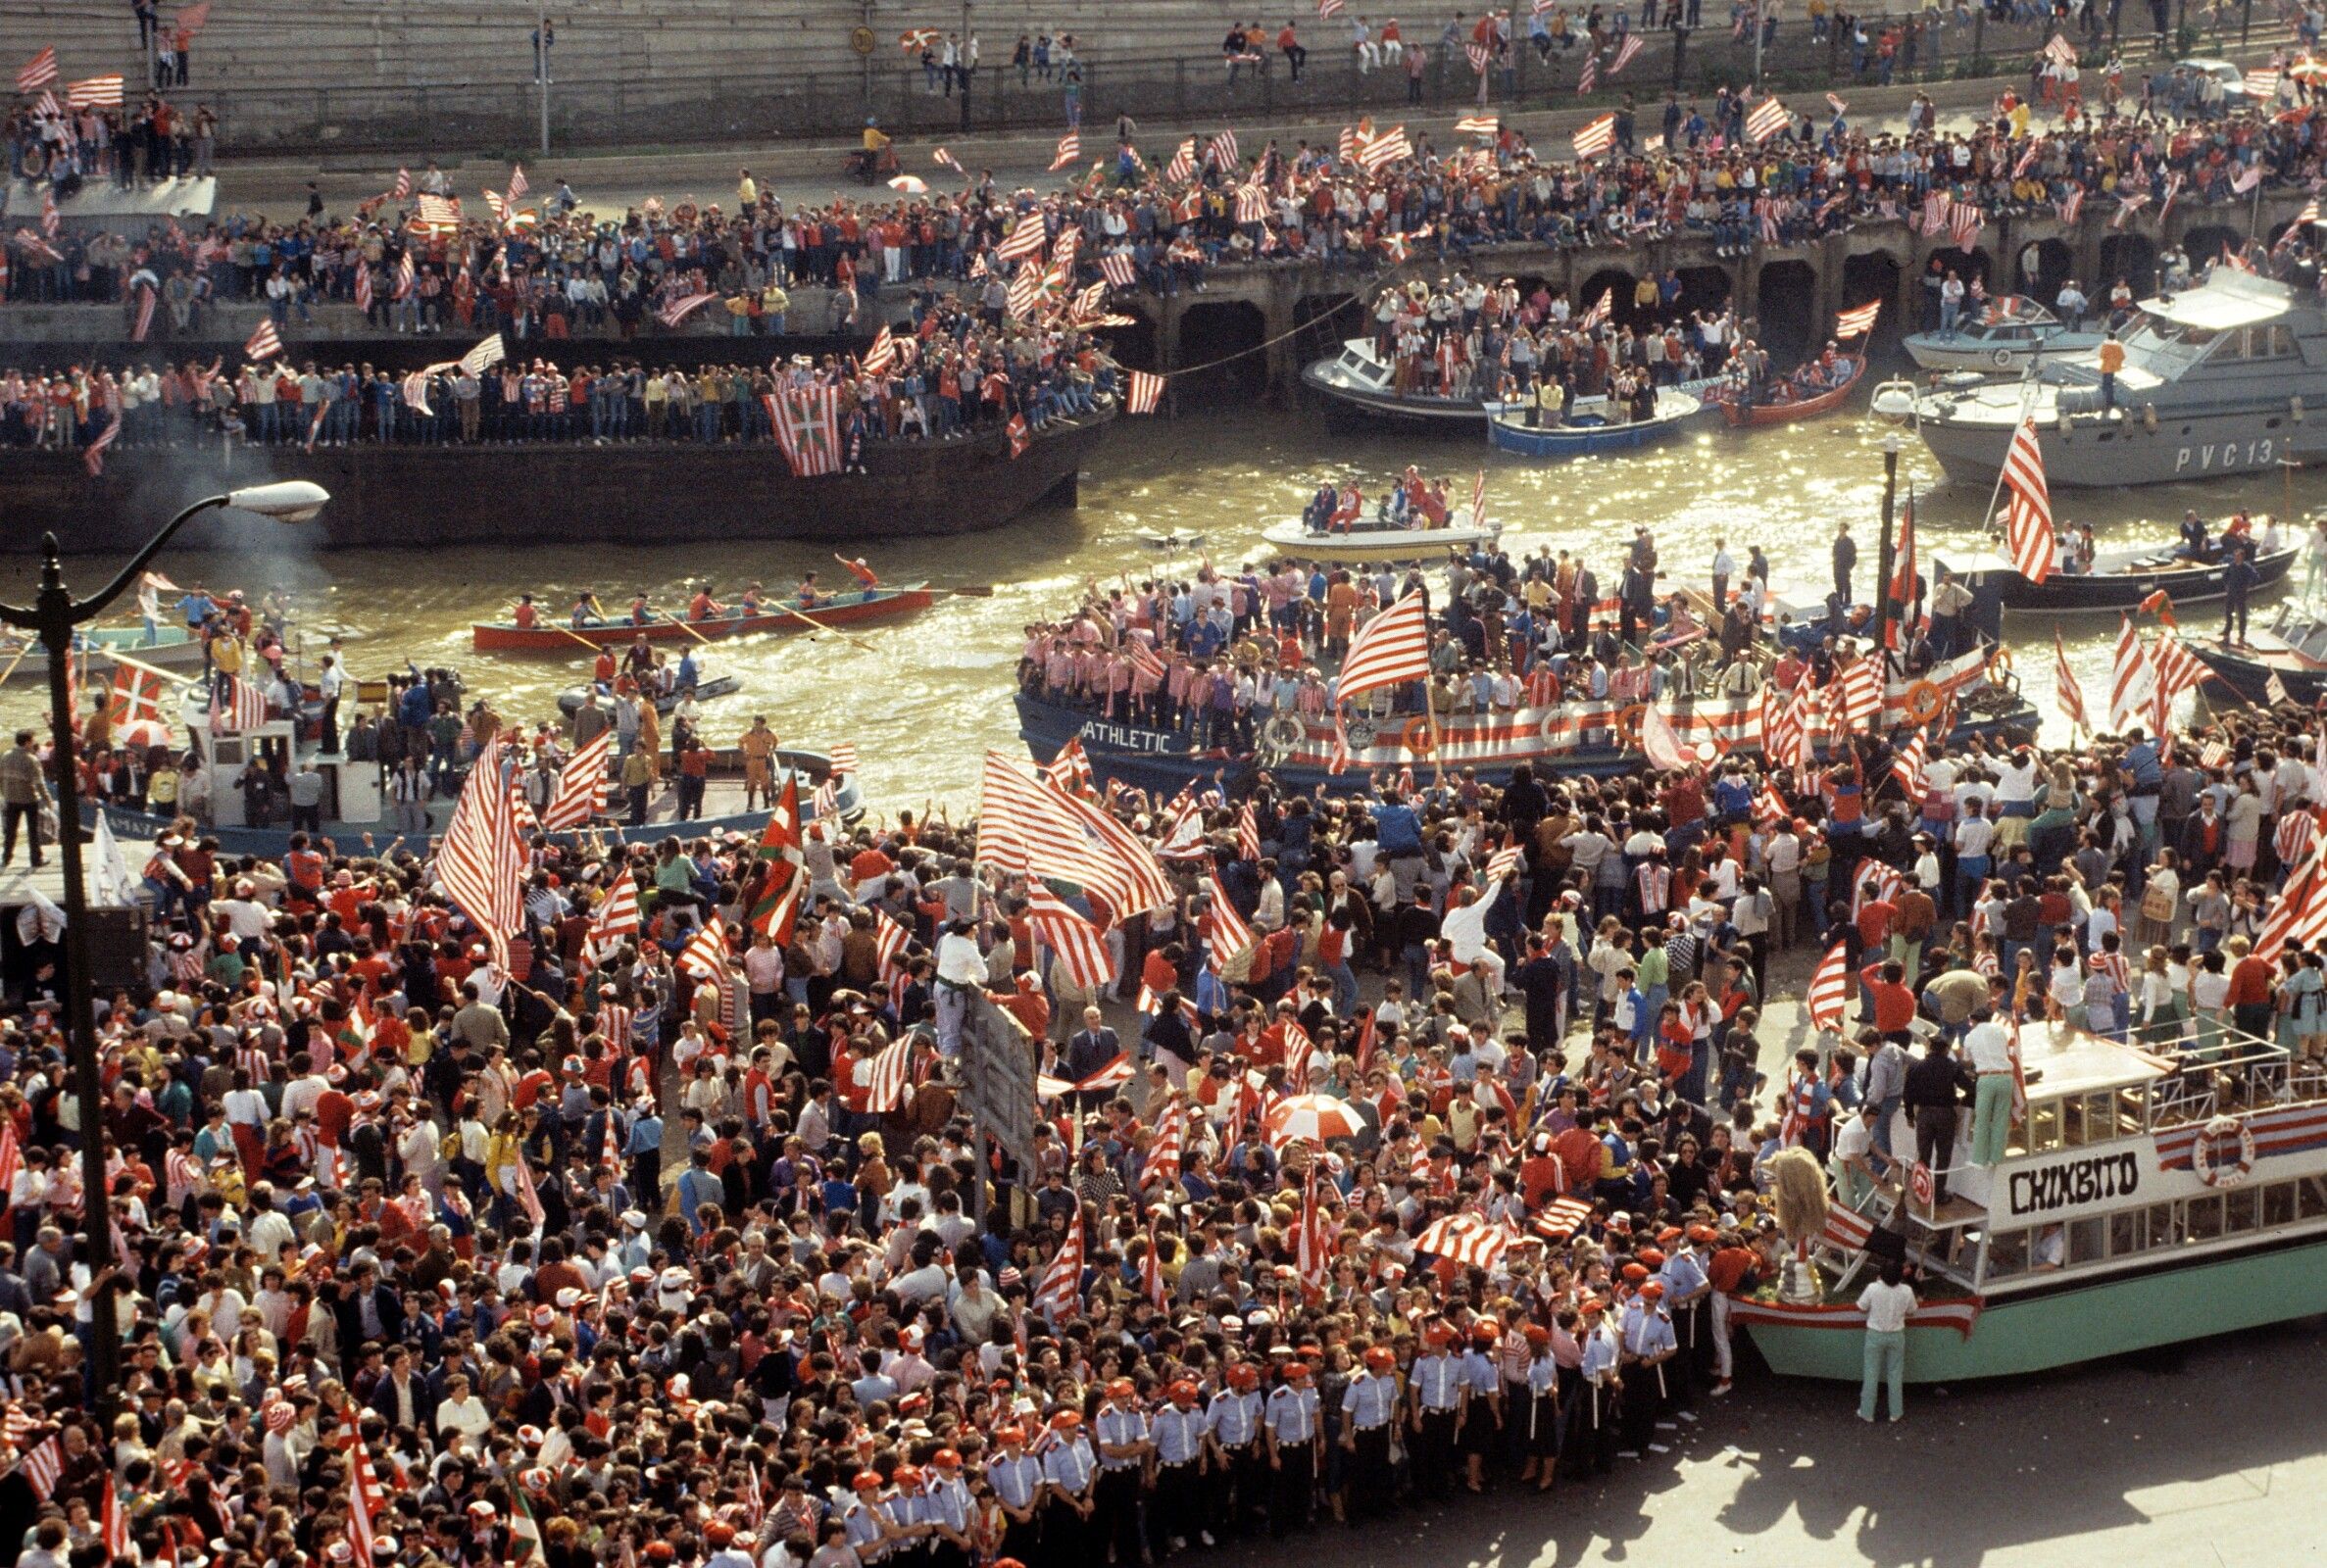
column 1988, row 1046
column 961, row 969
column 1934, row 1092
column 1845, row 559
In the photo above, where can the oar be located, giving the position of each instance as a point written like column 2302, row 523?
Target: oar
column 821, row 626
column 30, row 641
column 982, row 591
column 579, row 638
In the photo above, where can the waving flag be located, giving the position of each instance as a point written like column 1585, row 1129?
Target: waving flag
column 1385, row 149
column 1222, row 153
column 2028, row 506
column 1466, row 1240
column 95, row 92
column 2072, row 696
column 92, row 455
column 583, row 786
column 262, row 344
column 1182, row 166
column 883, row 353
column 1858, row 322
column 481, row 859
column 1075, row 940
column 1061, row 1290
column 679, row 307
column 1861, row 691
column 1589, row 77
column 1767, row 118
column 1831, row 988
column 1662, row 743
column 1625, row 51
column 1146, row 391
column 2131, row 680
column 1070, row 150
column 892, row 1076
column 38, row 71
column 1479, row 125
column 1596, row 138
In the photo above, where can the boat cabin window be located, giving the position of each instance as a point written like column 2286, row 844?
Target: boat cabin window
column 1364, row 367
column 2310, row 1197
column 2043, row 1126
column 2203, row 1220
column 2166, row 348
column 2255, row 343
column 2088, row 1240
column 2278, row 1205
column 2241, row 1209
column 2008, row 1255
column 2312, row 642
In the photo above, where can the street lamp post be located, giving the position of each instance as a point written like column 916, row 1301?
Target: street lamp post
column 52, row 616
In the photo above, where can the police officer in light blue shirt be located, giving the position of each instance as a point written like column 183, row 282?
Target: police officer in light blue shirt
column 1649, row 1343
column 1018, row 1482
column 946, row 1508
column 1181, row 1432
column 1121, row 1432
column 861, row 1516
column 1591, row 1434
column 1688, row 1301
column 1233, row 1444
column 1068, row 1471
column 1482, row 1412
column 1291, row 1431
column 1437, row 1388
column 1368, row 1405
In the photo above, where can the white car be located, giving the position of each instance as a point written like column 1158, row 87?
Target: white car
column 2233, row 80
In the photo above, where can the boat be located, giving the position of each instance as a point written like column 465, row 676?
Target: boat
column 416, row 496
column 557, row 636
column 2215, row 385
column 1753, row 416
column 707, row 687
column 1359, row 381
column 2120, row 579
column 1585, row 738
column 170, row 648
column 2007, row 338
column 1175, row 539
column 2146, row 1196
column 1375, row 539
column 2292, row 649
column 1586, row 431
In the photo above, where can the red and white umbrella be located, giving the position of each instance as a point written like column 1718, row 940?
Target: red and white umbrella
column 1316, row 1118
column 911, row 184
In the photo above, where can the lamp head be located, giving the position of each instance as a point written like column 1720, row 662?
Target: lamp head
column 1893, row 401
column 288, row 501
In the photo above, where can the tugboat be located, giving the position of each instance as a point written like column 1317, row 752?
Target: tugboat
column 1359, row 384
column 2215, row 383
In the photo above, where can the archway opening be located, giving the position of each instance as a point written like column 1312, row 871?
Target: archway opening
column 1225, row 330
column 2207, row 241
column 1612, row 281
column 1133, row 346
column 1876, row 277
column 1706, row 288
column 2041, row 269
column 1324, row 320
column 2131, row 256
column 1788, row 296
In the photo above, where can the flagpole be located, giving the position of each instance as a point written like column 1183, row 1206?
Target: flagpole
column 1438, row 766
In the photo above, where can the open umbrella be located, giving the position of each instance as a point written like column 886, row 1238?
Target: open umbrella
column 1317, row 1118
column 911, row 184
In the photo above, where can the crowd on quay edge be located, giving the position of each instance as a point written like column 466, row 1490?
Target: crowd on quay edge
column 557, row 268
column 607, row 1252
column 956, row 371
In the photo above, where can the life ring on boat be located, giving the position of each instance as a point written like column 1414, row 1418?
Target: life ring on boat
column 2000, row 663
column 1282, row 733
column 1924, row 703
column 1628, row 722
column 1416, row 738
column 2002, row 359
column 2210, row 1159
column 1550, row 730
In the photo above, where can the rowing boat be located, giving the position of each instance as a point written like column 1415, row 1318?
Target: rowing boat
column 1587, row 429
column 1753, row 416
column 707, row 687
column 169, row 648
column 843, row 610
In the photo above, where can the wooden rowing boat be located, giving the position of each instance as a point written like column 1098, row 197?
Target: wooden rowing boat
column 1753, row 416
column 557, row 636
column 2120, row 579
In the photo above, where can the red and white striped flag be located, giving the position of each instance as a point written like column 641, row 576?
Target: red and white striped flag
column 1146, row 391
column 1070, row 149
column 617, row 917
column 1632, row 45
column 1836, row 104
column 1479, row 125
column 92, row 455
column 881, row 355
column 1388, row 148
column 678, row 308
column 1061, row 1291
column 892, row 1077
column 517, row 185
column 844, row 757
column 2069, row 694
column 1164, row 1155
column 583, row 786
column 1858, row 322
column 1478, row 500
column 1076, row 941
column 1767, row 118
column 1248, row 833
column 1861, row 691
column 1829, row 989
column 1313, row 1245
column 1231, row 934
column 364, row 1498
column 705, row 957
column 1327, row 9
column 1223, row 154
column 1588, row 79
column 1182, row 166
column 1562, row 1218
column 95, row 92
column 2127, row 206
column 2175, row 671
column 1604, row 310
column 1907, row 766
column 2131, row 680
column 2275, row 690
column 245, row 706
column 1116, row 269
column 1466, row 1240
column 364, row 287
column 947, row 160
column 116, row 1515
column 43, row 1466
column 1481, row 57
column 2028, row 506
column 1025, row 824
column 38, row 71
column 403, row 186
column 890, row 941
column 262, row 344
column 481, row 860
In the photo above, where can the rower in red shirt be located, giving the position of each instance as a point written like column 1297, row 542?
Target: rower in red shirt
column 703, row 607
column 859, row 571
column 525, row 614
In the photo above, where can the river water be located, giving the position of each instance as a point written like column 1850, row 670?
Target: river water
column 930, row 694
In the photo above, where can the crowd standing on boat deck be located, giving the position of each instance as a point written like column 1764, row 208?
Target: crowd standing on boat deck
column 605, row 1241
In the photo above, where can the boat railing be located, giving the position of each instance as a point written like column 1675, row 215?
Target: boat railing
column 2236, row 1073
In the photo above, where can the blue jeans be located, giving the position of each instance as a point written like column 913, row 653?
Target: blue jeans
column 1345, row 987
column 1885, row 1362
